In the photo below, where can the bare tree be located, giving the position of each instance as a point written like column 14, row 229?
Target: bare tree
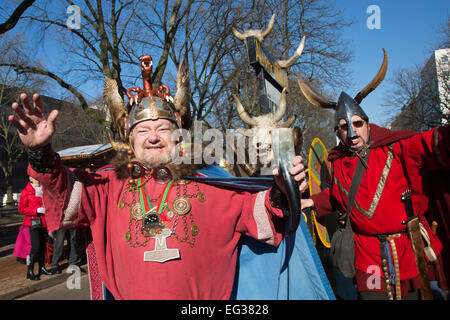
column 423, row 96
column 11, row 84
column 113, row 34
column 108, row 41
column 14, row 17
column 218, row 61
column 443, row 34
column 420, row 95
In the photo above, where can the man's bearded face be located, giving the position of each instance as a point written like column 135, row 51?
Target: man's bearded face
column 361, row 129
column 152, row 142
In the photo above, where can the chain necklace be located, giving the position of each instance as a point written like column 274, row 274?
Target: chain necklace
column 172, row 218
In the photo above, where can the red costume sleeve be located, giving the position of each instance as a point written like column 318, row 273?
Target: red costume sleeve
column 322, row 203
column 429, row 150
column 59, row 186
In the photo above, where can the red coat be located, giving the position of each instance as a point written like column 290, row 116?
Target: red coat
column 378, row 208
column 28, row 205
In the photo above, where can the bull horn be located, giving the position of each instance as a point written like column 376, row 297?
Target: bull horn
column 375, row 81
column 238, row 35
column 288, row 122
column 289, row 62
column 281, row 110
column 242, row 113
column 313, row 97
column 269, row 27
column 259, row 34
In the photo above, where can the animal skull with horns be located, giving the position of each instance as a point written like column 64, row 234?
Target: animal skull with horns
column 260, row 132
column 261, row 34
column 261, row 126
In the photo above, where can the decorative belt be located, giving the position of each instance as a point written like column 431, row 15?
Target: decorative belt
column 390, row 265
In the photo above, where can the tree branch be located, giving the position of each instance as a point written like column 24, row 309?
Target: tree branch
column 15, row 16
column 30, row 69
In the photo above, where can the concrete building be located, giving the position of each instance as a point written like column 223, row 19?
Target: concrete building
column 429, row 105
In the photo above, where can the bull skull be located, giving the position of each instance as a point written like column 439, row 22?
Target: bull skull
column 261, row 127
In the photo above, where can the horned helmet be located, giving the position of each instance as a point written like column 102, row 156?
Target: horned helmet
column 346, row 107
column 150, row 103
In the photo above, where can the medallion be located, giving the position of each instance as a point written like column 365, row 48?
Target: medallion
column 136, row 212
column 161, row 253
column 181, row 205
column 194, row 230
column 152, row 221
column 201, row 197
column 161, row 175
column 138, row 170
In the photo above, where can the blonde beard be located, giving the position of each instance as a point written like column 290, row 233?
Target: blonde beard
column 154, row 162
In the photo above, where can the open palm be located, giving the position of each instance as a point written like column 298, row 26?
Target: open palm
column 33, row 128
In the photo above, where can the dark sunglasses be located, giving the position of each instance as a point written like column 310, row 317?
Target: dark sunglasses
column 356, row 124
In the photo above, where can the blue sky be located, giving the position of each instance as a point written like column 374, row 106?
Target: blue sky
column 408, row 33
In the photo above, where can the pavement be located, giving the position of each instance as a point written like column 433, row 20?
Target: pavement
column 13, row 281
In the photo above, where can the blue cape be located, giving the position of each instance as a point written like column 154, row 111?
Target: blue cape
column 292, row 270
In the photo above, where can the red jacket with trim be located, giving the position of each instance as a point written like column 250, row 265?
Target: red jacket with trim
column 398, row 161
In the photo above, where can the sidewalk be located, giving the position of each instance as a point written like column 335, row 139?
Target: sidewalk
column 13, row 281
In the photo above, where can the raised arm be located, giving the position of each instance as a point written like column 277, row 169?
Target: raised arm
column 34, row 129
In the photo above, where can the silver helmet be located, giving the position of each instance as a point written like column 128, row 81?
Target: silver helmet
column 346, row 108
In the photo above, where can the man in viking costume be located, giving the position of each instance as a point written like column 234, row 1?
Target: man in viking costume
column 156, row 235
column 392, row 258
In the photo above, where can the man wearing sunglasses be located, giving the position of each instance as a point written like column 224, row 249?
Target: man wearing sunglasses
column 389, row 163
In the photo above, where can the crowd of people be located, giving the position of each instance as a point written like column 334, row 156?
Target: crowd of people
column 36, row 245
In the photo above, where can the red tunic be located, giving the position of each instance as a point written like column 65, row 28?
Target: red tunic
column 378, row 208
column 204, row 270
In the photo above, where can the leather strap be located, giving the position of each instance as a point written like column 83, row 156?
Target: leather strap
column 356, row 181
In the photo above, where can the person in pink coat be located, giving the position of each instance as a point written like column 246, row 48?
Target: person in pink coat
column 31, row 205
column 23, row 245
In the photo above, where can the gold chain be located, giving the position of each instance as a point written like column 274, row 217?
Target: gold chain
column 182, row 190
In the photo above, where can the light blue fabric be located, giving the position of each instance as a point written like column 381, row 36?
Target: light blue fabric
column 292, row 270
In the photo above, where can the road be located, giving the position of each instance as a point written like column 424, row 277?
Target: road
column 69, row 290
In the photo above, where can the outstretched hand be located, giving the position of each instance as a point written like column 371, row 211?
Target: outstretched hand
column 34, row 129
